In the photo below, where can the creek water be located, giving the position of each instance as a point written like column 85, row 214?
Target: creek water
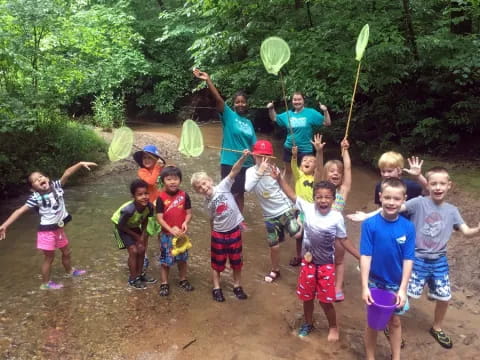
column 97, row 316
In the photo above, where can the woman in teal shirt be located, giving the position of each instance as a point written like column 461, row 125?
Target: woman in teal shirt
column 302, row 121
column 238, row 134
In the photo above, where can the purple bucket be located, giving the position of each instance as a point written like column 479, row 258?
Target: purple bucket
column 380, row 312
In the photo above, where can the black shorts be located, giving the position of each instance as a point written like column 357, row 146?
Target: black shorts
column 124, row 240
column 238, row 186
column 287, row 155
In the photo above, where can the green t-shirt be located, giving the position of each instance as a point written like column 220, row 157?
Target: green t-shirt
column 129, row 215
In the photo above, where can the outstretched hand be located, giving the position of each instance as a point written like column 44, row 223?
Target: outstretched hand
column 415, row 165
column 322, row 107
column 358, row 216
column 317, row 142
column 3, row 232
column 264, row 166
column 87, row 164
column 201, row 75
column 275, row 173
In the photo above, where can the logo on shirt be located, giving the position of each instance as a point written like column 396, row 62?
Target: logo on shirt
column 298, row 121
column 243, row 127
column 432, row 227
column 401, row 239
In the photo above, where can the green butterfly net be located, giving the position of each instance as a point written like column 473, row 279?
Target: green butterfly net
column 274, row 53
column 121, row 144
column 191, row 139
column 362, row 42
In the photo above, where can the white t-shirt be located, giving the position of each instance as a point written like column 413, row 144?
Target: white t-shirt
column 320, row 232
column 272, row 199
column 223, row 208
column 50, row 206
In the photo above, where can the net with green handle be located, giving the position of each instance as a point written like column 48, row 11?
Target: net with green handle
column 191, row 139
column 121, row 144
column 362, row 42
column 275, row 53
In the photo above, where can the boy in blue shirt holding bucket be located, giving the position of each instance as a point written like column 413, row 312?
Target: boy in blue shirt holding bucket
column 387, row 249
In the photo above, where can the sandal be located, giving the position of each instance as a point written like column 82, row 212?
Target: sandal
column 295, row 261
column 442, row 338
column 185, row 285
column 339, row 296
column 218, row 295
column 387, row 335
column 164, row 290
column 239, row 293
column 272, row 276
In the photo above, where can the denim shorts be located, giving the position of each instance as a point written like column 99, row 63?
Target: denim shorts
column 166, row 246
column 433, row 272
column 394, row 289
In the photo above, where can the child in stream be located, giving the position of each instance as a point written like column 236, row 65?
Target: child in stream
column 322, row 227
column 130, row 230
column 226, row 237
column 151, row 165
column 174, row 212
column 47, row 199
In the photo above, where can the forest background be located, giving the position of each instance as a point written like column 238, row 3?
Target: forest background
column 69, row 65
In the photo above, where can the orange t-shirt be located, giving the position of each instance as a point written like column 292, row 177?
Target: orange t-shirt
column 151, row 178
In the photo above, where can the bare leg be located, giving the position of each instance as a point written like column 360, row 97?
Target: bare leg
column 182, row 270
column 66, row 259
column 140, row 256
column 339, row 266
column 132, row 262
column 441, row 308
column 308, row 311
column 275, row 257
column 298, row 246
column 370, row 343
column 237, row 277
column 216, row 279
column 47, row 265
column 395, row 328
column 164, row 272
column 329, row 310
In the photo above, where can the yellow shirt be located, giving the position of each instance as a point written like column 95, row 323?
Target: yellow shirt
column 303, row 183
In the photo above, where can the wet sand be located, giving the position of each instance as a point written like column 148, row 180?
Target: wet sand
column 98, row 317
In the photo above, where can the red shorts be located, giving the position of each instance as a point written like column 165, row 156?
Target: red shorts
column 226, row 245
column 316, row 279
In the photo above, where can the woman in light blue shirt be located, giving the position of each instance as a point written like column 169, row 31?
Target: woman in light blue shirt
column 238, row 134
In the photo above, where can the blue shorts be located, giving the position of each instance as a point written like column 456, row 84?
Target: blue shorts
column 393, row 289
column 435, row 274
column 166, row 246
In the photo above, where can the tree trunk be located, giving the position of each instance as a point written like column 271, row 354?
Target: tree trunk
column 409, row 29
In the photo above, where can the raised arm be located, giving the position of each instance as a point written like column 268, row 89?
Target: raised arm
column 220, row 103
column 11, row 219
column 294, row 164
column 283, row 184
column 272, row 114
column 238, row 165
column 318, row 145
column 347, row 169
column 415, row 169
column 73, row 169
column 327, row 121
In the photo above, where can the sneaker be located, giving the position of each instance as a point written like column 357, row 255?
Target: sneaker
column 51, row 286
column 239, row 293
column 218, row 295
column 147, row 279
column 442, row 338
column 137, row 284
column 77, row 272
column 305, row 330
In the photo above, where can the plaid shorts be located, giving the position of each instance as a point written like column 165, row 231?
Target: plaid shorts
column 276, row 227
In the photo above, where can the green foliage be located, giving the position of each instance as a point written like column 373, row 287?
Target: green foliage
column 108, row 111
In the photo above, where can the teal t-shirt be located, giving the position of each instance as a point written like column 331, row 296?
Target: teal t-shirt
column 238, row 134
column 302, row 126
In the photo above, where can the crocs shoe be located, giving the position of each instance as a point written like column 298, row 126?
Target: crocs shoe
column 305, row 330
column 51, row 286
column 77, row 272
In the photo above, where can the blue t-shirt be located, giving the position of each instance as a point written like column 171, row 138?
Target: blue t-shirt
column 389, row 243
column 238, row 134
column 302, row 126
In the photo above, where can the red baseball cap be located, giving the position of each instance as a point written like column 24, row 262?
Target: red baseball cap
column 263, row 147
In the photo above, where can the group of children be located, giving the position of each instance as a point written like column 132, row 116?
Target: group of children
column 397, row 253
